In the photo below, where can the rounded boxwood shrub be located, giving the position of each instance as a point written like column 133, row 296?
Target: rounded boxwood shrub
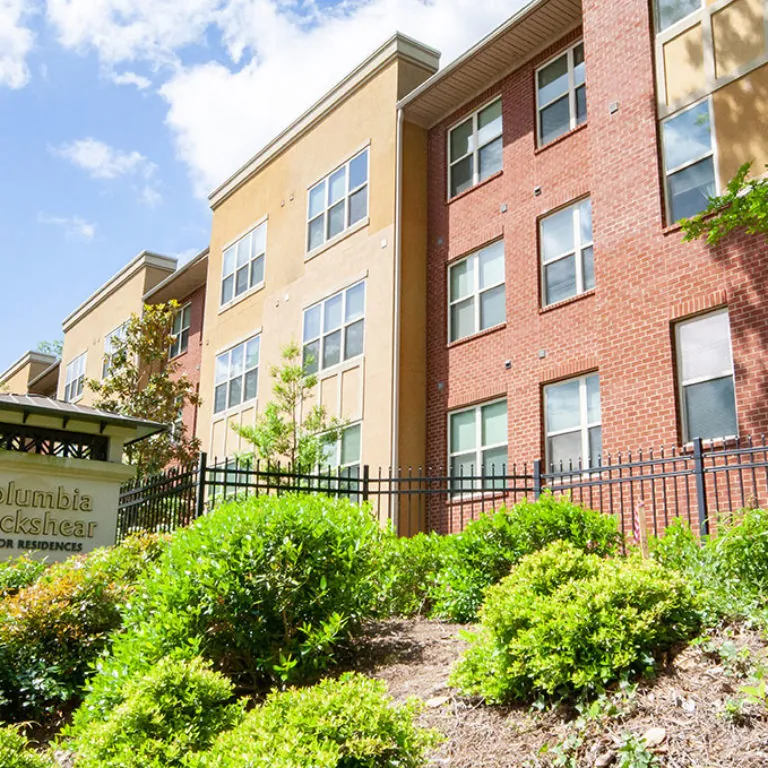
column 565, row 621
column 334, row 724
column 15, row 751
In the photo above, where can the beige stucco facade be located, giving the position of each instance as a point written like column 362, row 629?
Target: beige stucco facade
column 20, row 377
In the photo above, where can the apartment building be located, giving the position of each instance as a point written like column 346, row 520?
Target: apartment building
column 35, row 373
column 566, row 316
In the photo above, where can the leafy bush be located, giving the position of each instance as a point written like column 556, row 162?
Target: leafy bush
column 264, row 589
column 53, row 629
column 489, row 547
column 335, row 724
column 19, row 572
column 740, row 552
column 16, row 753
column 565, row 621
column 175, row 710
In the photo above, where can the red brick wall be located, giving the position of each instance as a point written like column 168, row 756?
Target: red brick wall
column 646, row 277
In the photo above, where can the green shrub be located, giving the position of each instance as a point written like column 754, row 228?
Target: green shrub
column 565, row 621
column 264, row 589
column 19, row 572
column 175, row 710
column 53, row 629
column 739, row 553
column 336, row 724
column 489, row 547
column 15, row 751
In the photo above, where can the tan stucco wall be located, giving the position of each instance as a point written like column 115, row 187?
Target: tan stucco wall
column 18, row 383
column 684, row 64
column 738, row 35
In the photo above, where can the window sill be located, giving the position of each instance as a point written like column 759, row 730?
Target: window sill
column 566, row 302
column 712, row 444
column 560, row 139
column 478, row 335
column 224, row 415
column 181, row 354
column 242, row 297
column 340, row 367
column 356, row 227
column 458, row 499
column 479, row 184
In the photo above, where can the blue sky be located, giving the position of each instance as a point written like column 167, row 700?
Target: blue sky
column 119, row 116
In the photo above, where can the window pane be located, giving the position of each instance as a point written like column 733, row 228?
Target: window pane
column 236, row 361
column 555, row 120
column 353, row 343
column 243, row 251
column 565, row 450
column 490, row 159
column 251, row 385
column 222, row 368
column 332, row 317
column 358, row 170
column 579, row 75
column 461, row 140
column 336, row 219
column 312, row 322
column 355, row 302
column 585, row 220
column 220, row 398
column 553, row 80
column 494, row 464
column 691, row 188
column 350, row 445
column 581, row 105
column 670, row 11
column 493, row 422
column 257, row 271
column 316, row 233
column 588, row 267
column 176, row 326
column 464, row 467
column 491, row 264
column 252, row 353
column 687, row 136
column 184, row 341
column 492, row 307
column 241, row 281
column 593, row 399
column 462, row 319
column 462, row 279
column 489, row 123
column 562, row 405
column 316, row 200
column 228, row 264
column 595, row 446
column 557, row 234
column 259, row 240
column 358, row 206
column 226, row 289
column 311, row 357
column 463, row 437
column 235, row 391
column 337, row 185
column 461, row 175
column 711, row 409
column 560, row 280
column 332, row 349
column 705, row 347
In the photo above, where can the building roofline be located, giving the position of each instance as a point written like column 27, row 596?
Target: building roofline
column 44, row 373
column 32, row 356
column 398, row 45
column 181, row 271
column 144, row 259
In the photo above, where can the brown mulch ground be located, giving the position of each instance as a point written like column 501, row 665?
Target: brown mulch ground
column 687, row 700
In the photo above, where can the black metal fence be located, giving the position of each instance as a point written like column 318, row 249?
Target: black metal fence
column 644, row 489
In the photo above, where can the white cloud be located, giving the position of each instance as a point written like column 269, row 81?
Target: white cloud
column 150, row 196
column 131, row 78
column 74, row 226
column 16, row 42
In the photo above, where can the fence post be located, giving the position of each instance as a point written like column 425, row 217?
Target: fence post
column 202, row 461
column 536, row 479
column 701, row 486
column 366, row 481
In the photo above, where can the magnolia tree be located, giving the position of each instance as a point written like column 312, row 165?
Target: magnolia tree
column 142, row 380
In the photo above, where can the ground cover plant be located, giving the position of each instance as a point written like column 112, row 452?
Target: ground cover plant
column 15, row 751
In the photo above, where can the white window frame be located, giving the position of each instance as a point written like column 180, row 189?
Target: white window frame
column 342, row 328
column 475, row 151
column 252, row 288
column 479, row 449
column 180, row 344
column 584, row 424
column 229, row 408
column 118, row 333
column 572, row 87
column 345, row 198
column 701, row 379
column 76, row 382
column 576, row 251
column 674, row 24
column 476, row 292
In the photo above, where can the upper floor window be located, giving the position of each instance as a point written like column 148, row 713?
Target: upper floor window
column 338, row 201
column 111, row 340
column 573, row 423
column 75, row 381
column 242, row 267
column 561, row 94
column 567, row 259
column 689, row 163
column 237, row 375
column 333, row 329
column 180, row 331
column 669, row 12
column 705, row 368
column 475, row 148
column 476, row 292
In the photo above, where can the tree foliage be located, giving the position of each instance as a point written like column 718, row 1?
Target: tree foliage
column 743, row 205
column 284, row 432
column 143, row 382
column 53, row 348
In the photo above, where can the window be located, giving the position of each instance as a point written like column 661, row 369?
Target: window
column 567, row 259
column 705, row 368
column 180, row 331
column 333, row 329
column 475, row 149
column 561, row 94
column 176, row 432
column 75, row 382
column 338, row 201
column 476, row 292
column 111, row 340
column 574, row 432
column 477, row 446
column 689, row 162
column 242, row 267
column 237, row 375
column 668, row 12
